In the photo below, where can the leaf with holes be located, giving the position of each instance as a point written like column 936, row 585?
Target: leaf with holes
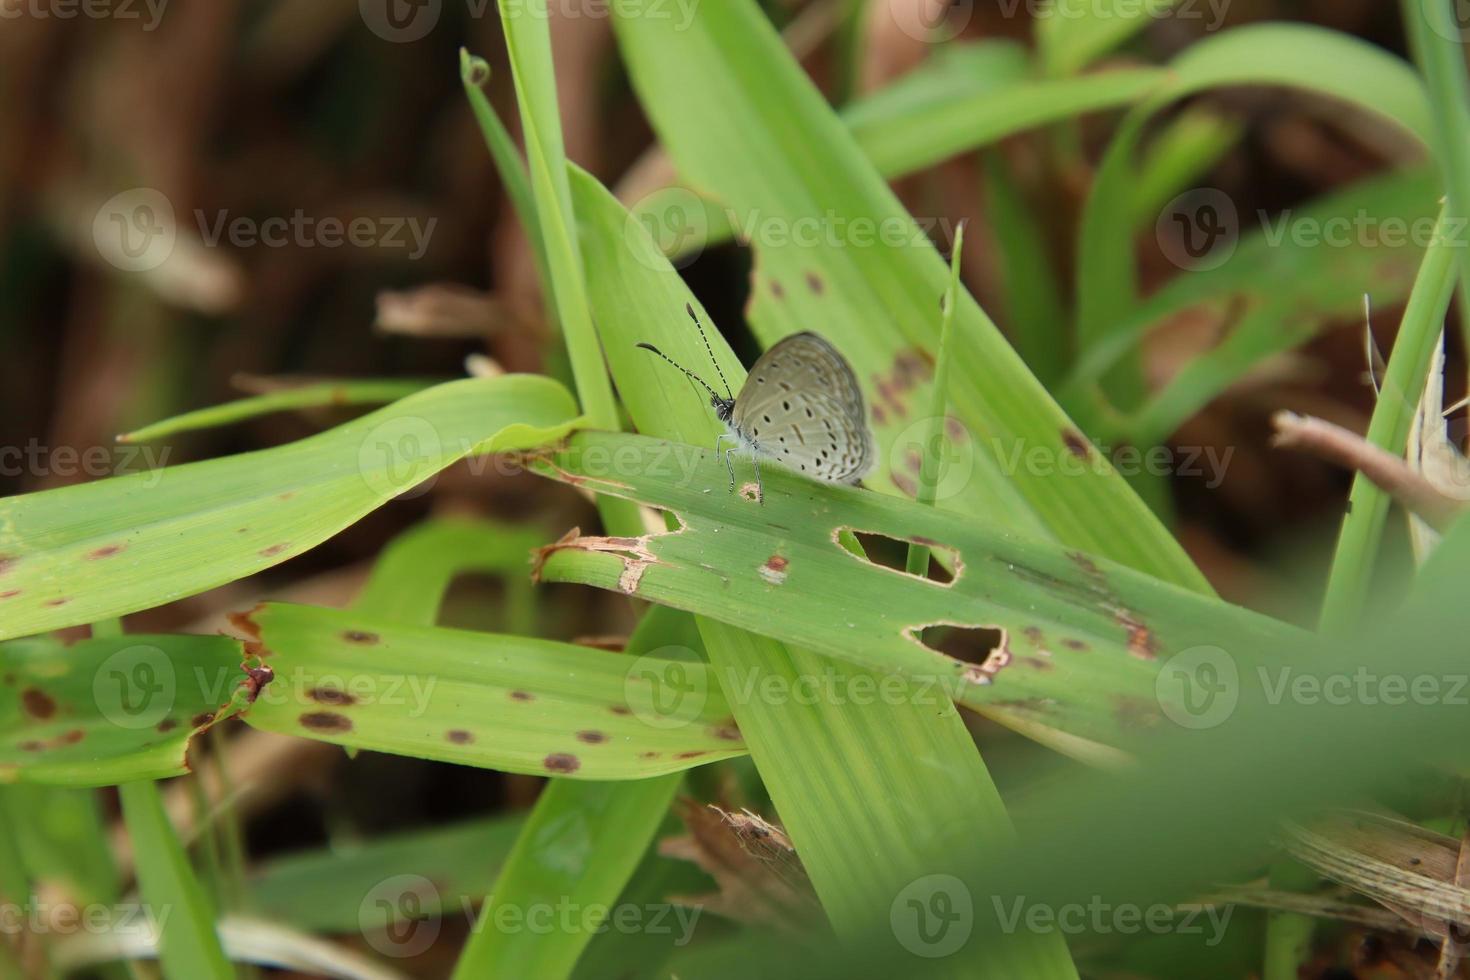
column 90, row 552
column 1067, row 646
column 843, row 257
column 512, row 703
column 110, row 710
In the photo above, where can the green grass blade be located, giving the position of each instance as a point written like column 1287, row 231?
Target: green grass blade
column 474, row 74
column 111, row 710
column 1438, row 43
column 1080, row 636
column 1282, row 286
column 73, row 555
column 331, row 394
column 1074, row 33
column 1393, row 416
column 917, row 562
column 974, row 96
column 333, row 890
column 516, row 704
column 1308, row 58
column 1037, row 313
column 727, row 101
column 189, row 945
column 583, row 841
column 528, row 40
column 411, row 576
column 814, row 758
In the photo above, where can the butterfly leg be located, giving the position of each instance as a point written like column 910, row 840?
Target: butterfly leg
column 760, row 488
column 725, row 455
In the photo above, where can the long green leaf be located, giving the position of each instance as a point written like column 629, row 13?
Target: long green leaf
column 1398, row 399
column 84, row 553
column 1307, row 58
column 1438, row 41
column 1072, row 33
column 512, row 703
column 1080, row 638
column 114, row 709
column 1284, row 283
column 584, row 840
column 838, row 773
column 729, row 102
column 189, row 946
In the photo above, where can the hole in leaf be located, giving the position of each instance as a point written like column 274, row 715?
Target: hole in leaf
column 982, row 648
column 892, row 554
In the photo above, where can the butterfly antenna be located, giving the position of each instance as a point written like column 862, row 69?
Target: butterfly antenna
column 689, row 308
column 687, row 373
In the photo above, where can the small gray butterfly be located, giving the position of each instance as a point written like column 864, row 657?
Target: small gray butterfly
column 801, row 407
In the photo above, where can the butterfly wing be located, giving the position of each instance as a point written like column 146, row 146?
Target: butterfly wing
column 802, row 407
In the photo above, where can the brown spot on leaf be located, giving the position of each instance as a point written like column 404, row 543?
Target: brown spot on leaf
column 880, row 415
column 1077, row 444
column 57, row 603
column 1134, row 713
column 592, row 737
column 621, row 709
column 562, row 762
column 690, row 755
column 1074, row 644
column 905, row 484
column 1040, row 663
column 326, row 721
column 37, row 703
column 71, row 737
column 814, row 283
column 274, row 550
column 10, row 595
column 1085, row 563
column 106, row 552
column 648, row 755
column 1033, row 635
column 522, row 696
column 330, row 695
column 726, row 731
column 32, row 746
column 361, row 637
column 245, row 623
column 778, row 290
column 774, row 570
column 167, row 725
column 201, row 719
column 459, row 736
column 1141, row 640
column 7, row 562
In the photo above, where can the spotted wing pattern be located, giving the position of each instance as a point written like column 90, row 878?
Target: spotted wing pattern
column 802, row 407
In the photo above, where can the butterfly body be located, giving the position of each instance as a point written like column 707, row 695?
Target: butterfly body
column 800, row 407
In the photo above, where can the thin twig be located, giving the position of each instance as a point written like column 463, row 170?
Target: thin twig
column 1350, row 450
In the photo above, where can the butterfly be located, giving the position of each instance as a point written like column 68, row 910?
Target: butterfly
column 800, row 407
